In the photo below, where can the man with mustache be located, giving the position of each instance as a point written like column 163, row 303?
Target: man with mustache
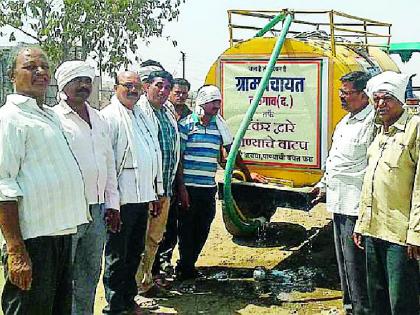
column 389, row 217
column 42, row 197
column 87, row 134
column 204, row 135
column 154, row 104
column 342, row 183
column 139, row 172
column 162, row 264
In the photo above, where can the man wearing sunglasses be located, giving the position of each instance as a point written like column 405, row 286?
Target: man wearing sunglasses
column 342, row 182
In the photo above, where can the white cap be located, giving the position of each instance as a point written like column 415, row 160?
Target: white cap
column 389, row 81
column 206, row 94
column 70, row 70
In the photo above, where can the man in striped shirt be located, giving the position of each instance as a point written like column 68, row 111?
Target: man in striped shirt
column 203, row 134
column 42, row 197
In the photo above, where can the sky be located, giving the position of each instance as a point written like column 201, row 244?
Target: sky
column 201, row 30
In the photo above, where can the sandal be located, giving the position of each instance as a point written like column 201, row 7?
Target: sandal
column 162, row 282
column 146, row 303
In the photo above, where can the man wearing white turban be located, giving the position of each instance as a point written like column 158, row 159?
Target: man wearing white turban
column 203, row 134
column 389, row 218
column 87, row 134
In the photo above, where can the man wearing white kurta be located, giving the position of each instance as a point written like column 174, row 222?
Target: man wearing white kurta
column 139, row 173
column 342, row 181
column 42, row 197
column 88, row 136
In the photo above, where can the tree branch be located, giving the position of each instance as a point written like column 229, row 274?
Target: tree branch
column 24, row 32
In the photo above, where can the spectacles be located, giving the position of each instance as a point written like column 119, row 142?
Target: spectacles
column 384, row 97
column 346, row 93
column 130, row 86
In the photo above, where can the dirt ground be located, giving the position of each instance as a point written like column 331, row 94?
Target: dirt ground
column 296, row 254
column 298, row 257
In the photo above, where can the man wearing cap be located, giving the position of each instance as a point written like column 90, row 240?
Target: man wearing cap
column 147, row 67
column 342, row 184
column 389, row 217
column 203, row 133
column 154, row 104
column 42, row 196
column 139, row 172
column 87, row 134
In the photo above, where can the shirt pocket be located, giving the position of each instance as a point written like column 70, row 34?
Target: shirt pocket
column 352, row 148
column 393, row 156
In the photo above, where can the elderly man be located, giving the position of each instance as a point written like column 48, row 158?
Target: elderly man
column 203, row 133
column 87, row 134
column 342, row 182
column 139, row 171
column 42, row 197
column 162, row 265
column 390, row 202
column 158, row 86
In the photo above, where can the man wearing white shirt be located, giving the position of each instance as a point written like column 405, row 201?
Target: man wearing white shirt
column 88, row 136
column 154, row 104
column 139, row 172
column 42, row 197
column 342, row 183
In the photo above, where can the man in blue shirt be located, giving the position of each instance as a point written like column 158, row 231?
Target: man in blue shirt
column 203, row 134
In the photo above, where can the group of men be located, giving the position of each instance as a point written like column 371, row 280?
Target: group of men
column 371, row 183
column 76, row 183
column 136, row 177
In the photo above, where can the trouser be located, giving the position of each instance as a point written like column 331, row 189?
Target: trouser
column 194, row 226
column 87, row 250
column 392, row 279
column 351, row 262
column 51, row 289
column 155, row 230
column 122, row 256
column 168, row 243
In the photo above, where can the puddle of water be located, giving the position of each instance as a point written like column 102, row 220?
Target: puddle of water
column 280, row 283
column 220, row 276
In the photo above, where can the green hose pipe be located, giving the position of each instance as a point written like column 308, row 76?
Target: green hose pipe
column 247, row 226
column 278, row 18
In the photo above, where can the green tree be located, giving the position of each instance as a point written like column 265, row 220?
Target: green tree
column 106, row 29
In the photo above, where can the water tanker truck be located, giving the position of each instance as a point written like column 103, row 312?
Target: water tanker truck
column 280, row 99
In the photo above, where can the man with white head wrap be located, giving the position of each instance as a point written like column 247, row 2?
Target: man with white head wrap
column 147, row 67
column 88, row 136
column 389, row 217
column 203, row 135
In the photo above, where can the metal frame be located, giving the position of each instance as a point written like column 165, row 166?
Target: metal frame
column 338, row 27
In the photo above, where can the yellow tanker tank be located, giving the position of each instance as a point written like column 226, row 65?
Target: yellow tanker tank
column 344, row 60
column 289, row 135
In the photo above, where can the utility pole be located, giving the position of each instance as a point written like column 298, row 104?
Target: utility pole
column 183, row 64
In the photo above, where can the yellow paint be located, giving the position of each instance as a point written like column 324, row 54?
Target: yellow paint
column 344, row 62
